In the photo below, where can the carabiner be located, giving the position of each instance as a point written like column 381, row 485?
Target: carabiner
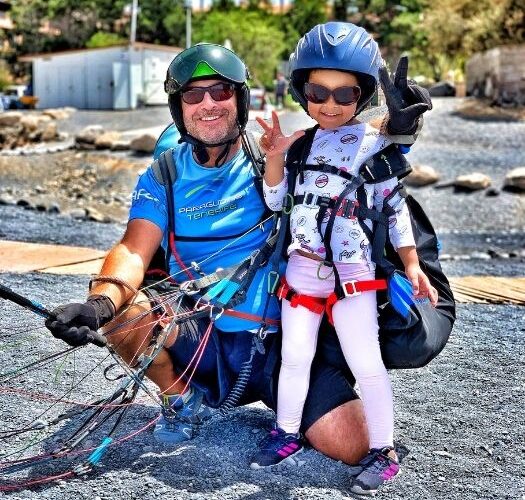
column 272, row 286
column 287, row 208
column 321, row 264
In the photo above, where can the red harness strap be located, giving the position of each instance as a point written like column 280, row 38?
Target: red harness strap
column 314, row 304
column 352, row 288
column 319, row 305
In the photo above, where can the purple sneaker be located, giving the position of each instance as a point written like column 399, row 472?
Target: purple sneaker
column 276, row 448
column 378, row 467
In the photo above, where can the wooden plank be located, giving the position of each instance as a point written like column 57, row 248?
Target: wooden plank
column 22, row 257
column 489, row 289
column 91, row 267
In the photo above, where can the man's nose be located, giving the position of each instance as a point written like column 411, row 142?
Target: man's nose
column 208, row 100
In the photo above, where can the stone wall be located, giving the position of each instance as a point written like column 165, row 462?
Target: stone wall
column 498, row 74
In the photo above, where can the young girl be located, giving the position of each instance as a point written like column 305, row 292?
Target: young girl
column 334, row 75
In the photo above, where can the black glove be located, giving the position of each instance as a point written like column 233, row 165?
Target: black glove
column 77, row 324
column 405, row 100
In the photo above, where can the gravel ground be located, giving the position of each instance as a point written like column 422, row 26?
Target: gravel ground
column 461, row 416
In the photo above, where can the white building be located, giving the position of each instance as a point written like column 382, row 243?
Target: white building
column 118, row 77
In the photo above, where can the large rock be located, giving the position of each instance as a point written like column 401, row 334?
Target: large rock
column 30, row 122
column 107, row 139
column 473, row 182
column 442, row 89
column 421, row 175
column 49, row 132
column 10, row 119
column 515, row 180
column 143, row 143
column 57, row 114
column 89, row 135
column 93, row 214
column 120, row 145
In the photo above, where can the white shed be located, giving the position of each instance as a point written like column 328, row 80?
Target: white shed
column 118, row 77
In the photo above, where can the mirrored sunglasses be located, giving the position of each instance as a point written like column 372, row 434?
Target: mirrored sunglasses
column 218, row 92
column 319, row 94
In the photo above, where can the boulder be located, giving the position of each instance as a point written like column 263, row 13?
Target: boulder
column 120, row 145
column 30, row 122
column 442, row 89
column 515, row 180
column 10, row 119
column 49, row 132
column 89, row 135
column 93, row 214
column 56, row 114
column 143, row 143
column 421, row 175
column 106, row 140
column 473, row 182
column 77, row 213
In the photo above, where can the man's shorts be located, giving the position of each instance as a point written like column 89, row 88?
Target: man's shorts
column 331, row 382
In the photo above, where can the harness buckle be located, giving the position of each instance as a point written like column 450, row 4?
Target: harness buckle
column 354, row 292
column 188, row 287
column 349, row 208
column 310, row 199
column 253, row 256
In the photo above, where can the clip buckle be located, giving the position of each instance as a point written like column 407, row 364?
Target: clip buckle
column 353, row 292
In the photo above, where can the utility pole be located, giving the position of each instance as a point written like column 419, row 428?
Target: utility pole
column 187, row 5
column 133, row 30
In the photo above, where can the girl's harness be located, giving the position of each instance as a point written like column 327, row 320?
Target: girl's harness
column 385, row 164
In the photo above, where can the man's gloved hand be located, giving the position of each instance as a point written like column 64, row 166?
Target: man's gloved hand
column 405, row 100
column 77, row 324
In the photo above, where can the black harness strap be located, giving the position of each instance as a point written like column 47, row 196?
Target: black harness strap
column 168, row 171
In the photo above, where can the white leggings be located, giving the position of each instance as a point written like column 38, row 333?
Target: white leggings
column 355, row 320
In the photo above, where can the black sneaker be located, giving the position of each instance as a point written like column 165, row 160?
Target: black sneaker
column 178, row 420
column 378, row 467
column 276, row 448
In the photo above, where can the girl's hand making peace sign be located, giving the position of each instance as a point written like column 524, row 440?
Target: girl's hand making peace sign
column 273, row 142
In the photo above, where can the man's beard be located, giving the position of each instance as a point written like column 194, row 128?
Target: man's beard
column 217, row 135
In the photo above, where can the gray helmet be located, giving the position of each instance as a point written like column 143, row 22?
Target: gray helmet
column 206, row 60
column 340, row 46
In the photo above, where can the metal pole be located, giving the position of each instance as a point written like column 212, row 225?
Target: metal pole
column 188, row 23
column 133, row 31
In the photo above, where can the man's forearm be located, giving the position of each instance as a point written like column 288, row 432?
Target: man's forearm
column 125, row 265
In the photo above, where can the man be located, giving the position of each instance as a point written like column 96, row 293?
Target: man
column 280, row 90
column 217, row 205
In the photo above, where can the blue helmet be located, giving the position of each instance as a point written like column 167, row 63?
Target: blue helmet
column 340, row 46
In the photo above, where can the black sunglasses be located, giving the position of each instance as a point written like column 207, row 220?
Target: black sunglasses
column 218, row 92
column 319, row 94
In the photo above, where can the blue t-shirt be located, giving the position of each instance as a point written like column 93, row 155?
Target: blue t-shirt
column 211, row 203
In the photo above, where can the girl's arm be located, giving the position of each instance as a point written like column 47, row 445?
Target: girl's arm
column 275, row 144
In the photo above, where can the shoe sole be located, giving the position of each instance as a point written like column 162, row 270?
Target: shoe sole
column 291, row 460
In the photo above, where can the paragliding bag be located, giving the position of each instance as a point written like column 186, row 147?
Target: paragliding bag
column 414, row 343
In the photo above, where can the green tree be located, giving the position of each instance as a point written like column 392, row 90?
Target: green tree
column 6, row 78
column 305, row 14
column 224, row 5
column 257, row 42
column 104, row 39
column 161, row 22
